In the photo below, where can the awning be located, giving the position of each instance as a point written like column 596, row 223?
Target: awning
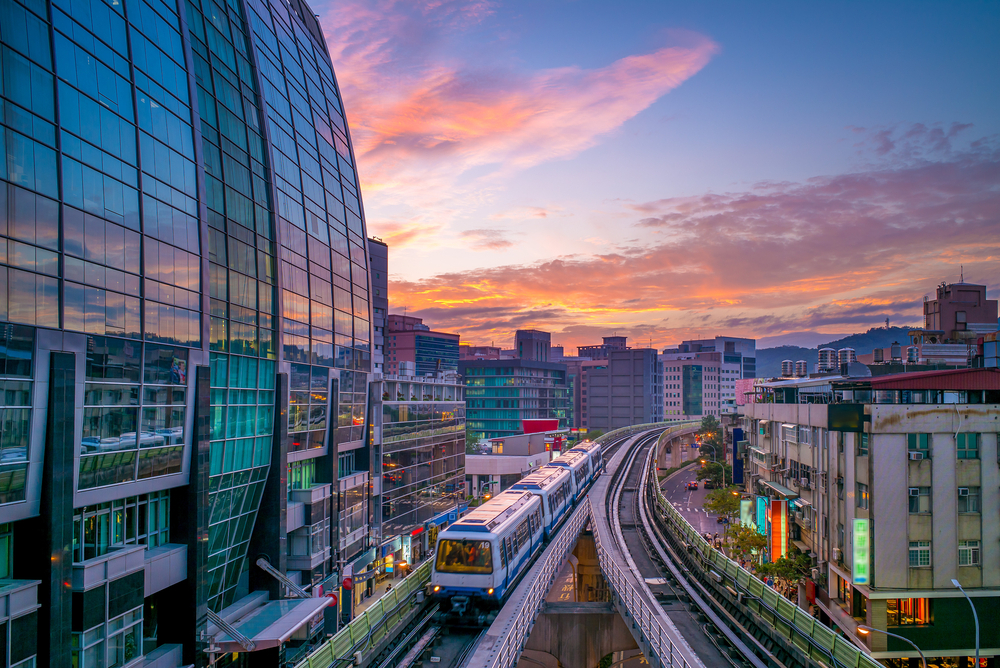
column 360, row 562
column 781, row 490
column 273, row 623
column 800, row 503
column 759, row 451
column 805, row 549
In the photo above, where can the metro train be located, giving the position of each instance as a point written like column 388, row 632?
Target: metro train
column 481, row 557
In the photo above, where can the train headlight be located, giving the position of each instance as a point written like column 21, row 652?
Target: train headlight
column 490, row 591
column 437, row 587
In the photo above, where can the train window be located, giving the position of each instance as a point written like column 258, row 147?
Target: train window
column 510, row 551
column 464, row 556
column 503, row 555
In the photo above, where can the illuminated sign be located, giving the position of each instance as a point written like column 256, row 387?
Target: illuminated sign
column 860, row 565
column 779, row 528
column 746, row 512
column 762, row 515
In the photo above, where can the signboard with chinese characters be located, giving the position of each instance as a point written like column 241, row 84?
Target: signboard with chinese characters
column 860, row 566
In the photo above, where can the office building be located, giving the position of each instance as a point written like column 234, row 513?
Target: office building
column 601, row 351
column 624, row 389
column 378, row 263
column 505, row 462
column 698, row 384
column 742, row 352
column 185, row 330
column 418, row 465
column 408, row 339
column 891, row 484
column 501, row 394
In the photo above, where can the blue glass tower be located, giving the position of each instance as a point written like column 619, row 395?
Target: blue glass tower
column 185, row 337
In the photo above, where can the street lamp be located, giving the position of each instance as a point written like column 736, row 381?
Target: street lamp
column 865, row 630
column 975, row 617
column 715, row 460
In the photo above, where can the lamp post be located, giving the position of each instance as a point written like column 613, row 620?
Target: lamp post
column 865, row 630
column 975, row 617
column 715, row 459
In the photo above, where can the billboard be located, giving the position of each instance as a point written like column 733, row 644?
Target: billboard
column 539, row 426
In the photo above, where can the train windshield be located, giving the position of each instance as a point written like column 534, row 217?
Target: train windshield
column 464, row 556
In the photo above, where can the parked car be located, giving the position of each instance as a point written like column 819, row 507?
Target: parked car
column 710, row 484
column 693, row 484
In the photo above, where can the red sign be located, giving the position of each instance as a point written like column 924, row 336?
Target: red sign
column 347, row 584
column 333, row 596
column 539, row 426
column 810, row 591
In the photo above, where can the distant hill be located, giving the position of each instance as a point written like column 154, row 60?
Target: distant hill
column 769, row 359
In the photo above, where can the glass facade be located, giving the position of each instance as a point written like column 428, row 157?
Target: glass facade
column 422, row 454
column 178, row 204
column 501, row 393
column 691, row 401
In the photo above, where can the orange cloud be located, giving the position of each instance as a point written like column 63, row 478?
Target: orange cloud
column 840, row 252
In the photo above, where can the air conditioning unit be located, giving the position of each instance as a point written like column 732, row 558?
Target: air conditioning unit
column 804, row 483
column 963, row 491
column 914, row 491
column 798, row 516
column 807, row 523
column 838, row 554
column 916, row 456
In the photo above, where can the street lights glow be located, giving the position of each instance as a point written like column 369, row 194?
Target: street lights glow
column 975, row 617
column 865, row 630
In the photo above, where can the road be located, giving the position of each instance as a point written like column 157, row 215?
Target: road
column 689, row 502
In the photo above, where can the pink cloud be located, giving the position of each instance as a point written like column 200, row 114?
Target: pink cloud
column 420, row 118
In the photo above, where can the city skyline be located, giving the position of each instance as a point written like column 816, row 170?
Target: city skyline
column 725, row 169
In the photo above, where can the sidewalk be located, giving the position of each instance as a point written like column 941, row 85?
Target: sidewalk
column 380, row 589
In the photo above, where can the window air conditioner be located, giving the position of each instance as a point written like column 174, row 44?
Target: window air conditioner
column 798, row 516
column 914, row 491
column 963, row 491
column 837, row 554
column 804, row 483
column 916, row 456
column 840, row 480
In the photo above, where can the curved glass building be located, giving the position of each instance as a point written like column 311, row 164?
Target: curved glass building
column 185, row 337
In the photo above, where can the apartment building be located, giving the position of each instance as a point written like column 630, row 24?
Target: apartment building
column 698, row 384
column 892, row 485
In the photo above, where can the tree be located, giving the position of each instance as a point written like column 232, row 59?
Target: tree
column 725, row 502
column 746, row 542
column 718, row 473
column 788, row 570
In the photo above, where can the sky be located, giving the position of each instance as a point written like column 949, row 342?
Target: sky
column 673, row 170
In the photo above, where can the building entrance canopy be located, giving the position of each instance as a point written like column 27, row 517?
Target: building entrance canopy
column 780, row 490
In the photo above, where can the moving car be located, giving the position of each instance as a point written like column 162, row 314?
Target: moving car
column 693, row 484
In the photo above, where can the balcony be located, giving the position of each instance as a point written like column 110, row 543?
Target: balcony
column 111, row 566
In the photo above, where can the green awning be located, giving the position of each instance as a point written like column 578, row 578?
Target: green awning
column 781, row 490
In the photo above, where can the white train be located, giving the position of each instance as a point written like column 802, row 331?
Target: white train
column 481, row 557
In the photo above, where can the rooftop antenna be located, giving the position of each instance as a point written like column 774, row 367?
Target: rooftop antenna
column 961, row 275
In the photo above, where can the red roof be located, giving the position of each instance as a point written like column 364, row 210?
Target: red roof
column 948, row 379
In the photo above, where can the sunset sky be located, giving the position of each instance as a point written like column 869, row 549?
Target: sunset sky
column 673, row 170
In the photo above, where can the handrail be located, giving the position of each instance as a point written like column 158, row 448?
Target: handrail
column 645, row 613
column 370, row 626
column 796, row 625
column 519, row 627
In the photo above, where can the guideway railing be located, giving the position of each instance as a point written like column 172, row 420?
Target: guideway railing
column 791, row 622
column 371, row 626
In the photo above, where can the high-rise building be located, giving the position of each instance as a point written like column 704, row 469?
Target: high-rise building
column 409, row 340
column 532, row 344
column 378, row 262
column 501, row 394
column 699, row 384
column 185, row 328
column 736, row 351
column 623, row 390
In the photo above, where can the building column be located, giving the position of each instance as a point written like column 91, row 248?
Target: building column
column 45, row 542
column 270, row 534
